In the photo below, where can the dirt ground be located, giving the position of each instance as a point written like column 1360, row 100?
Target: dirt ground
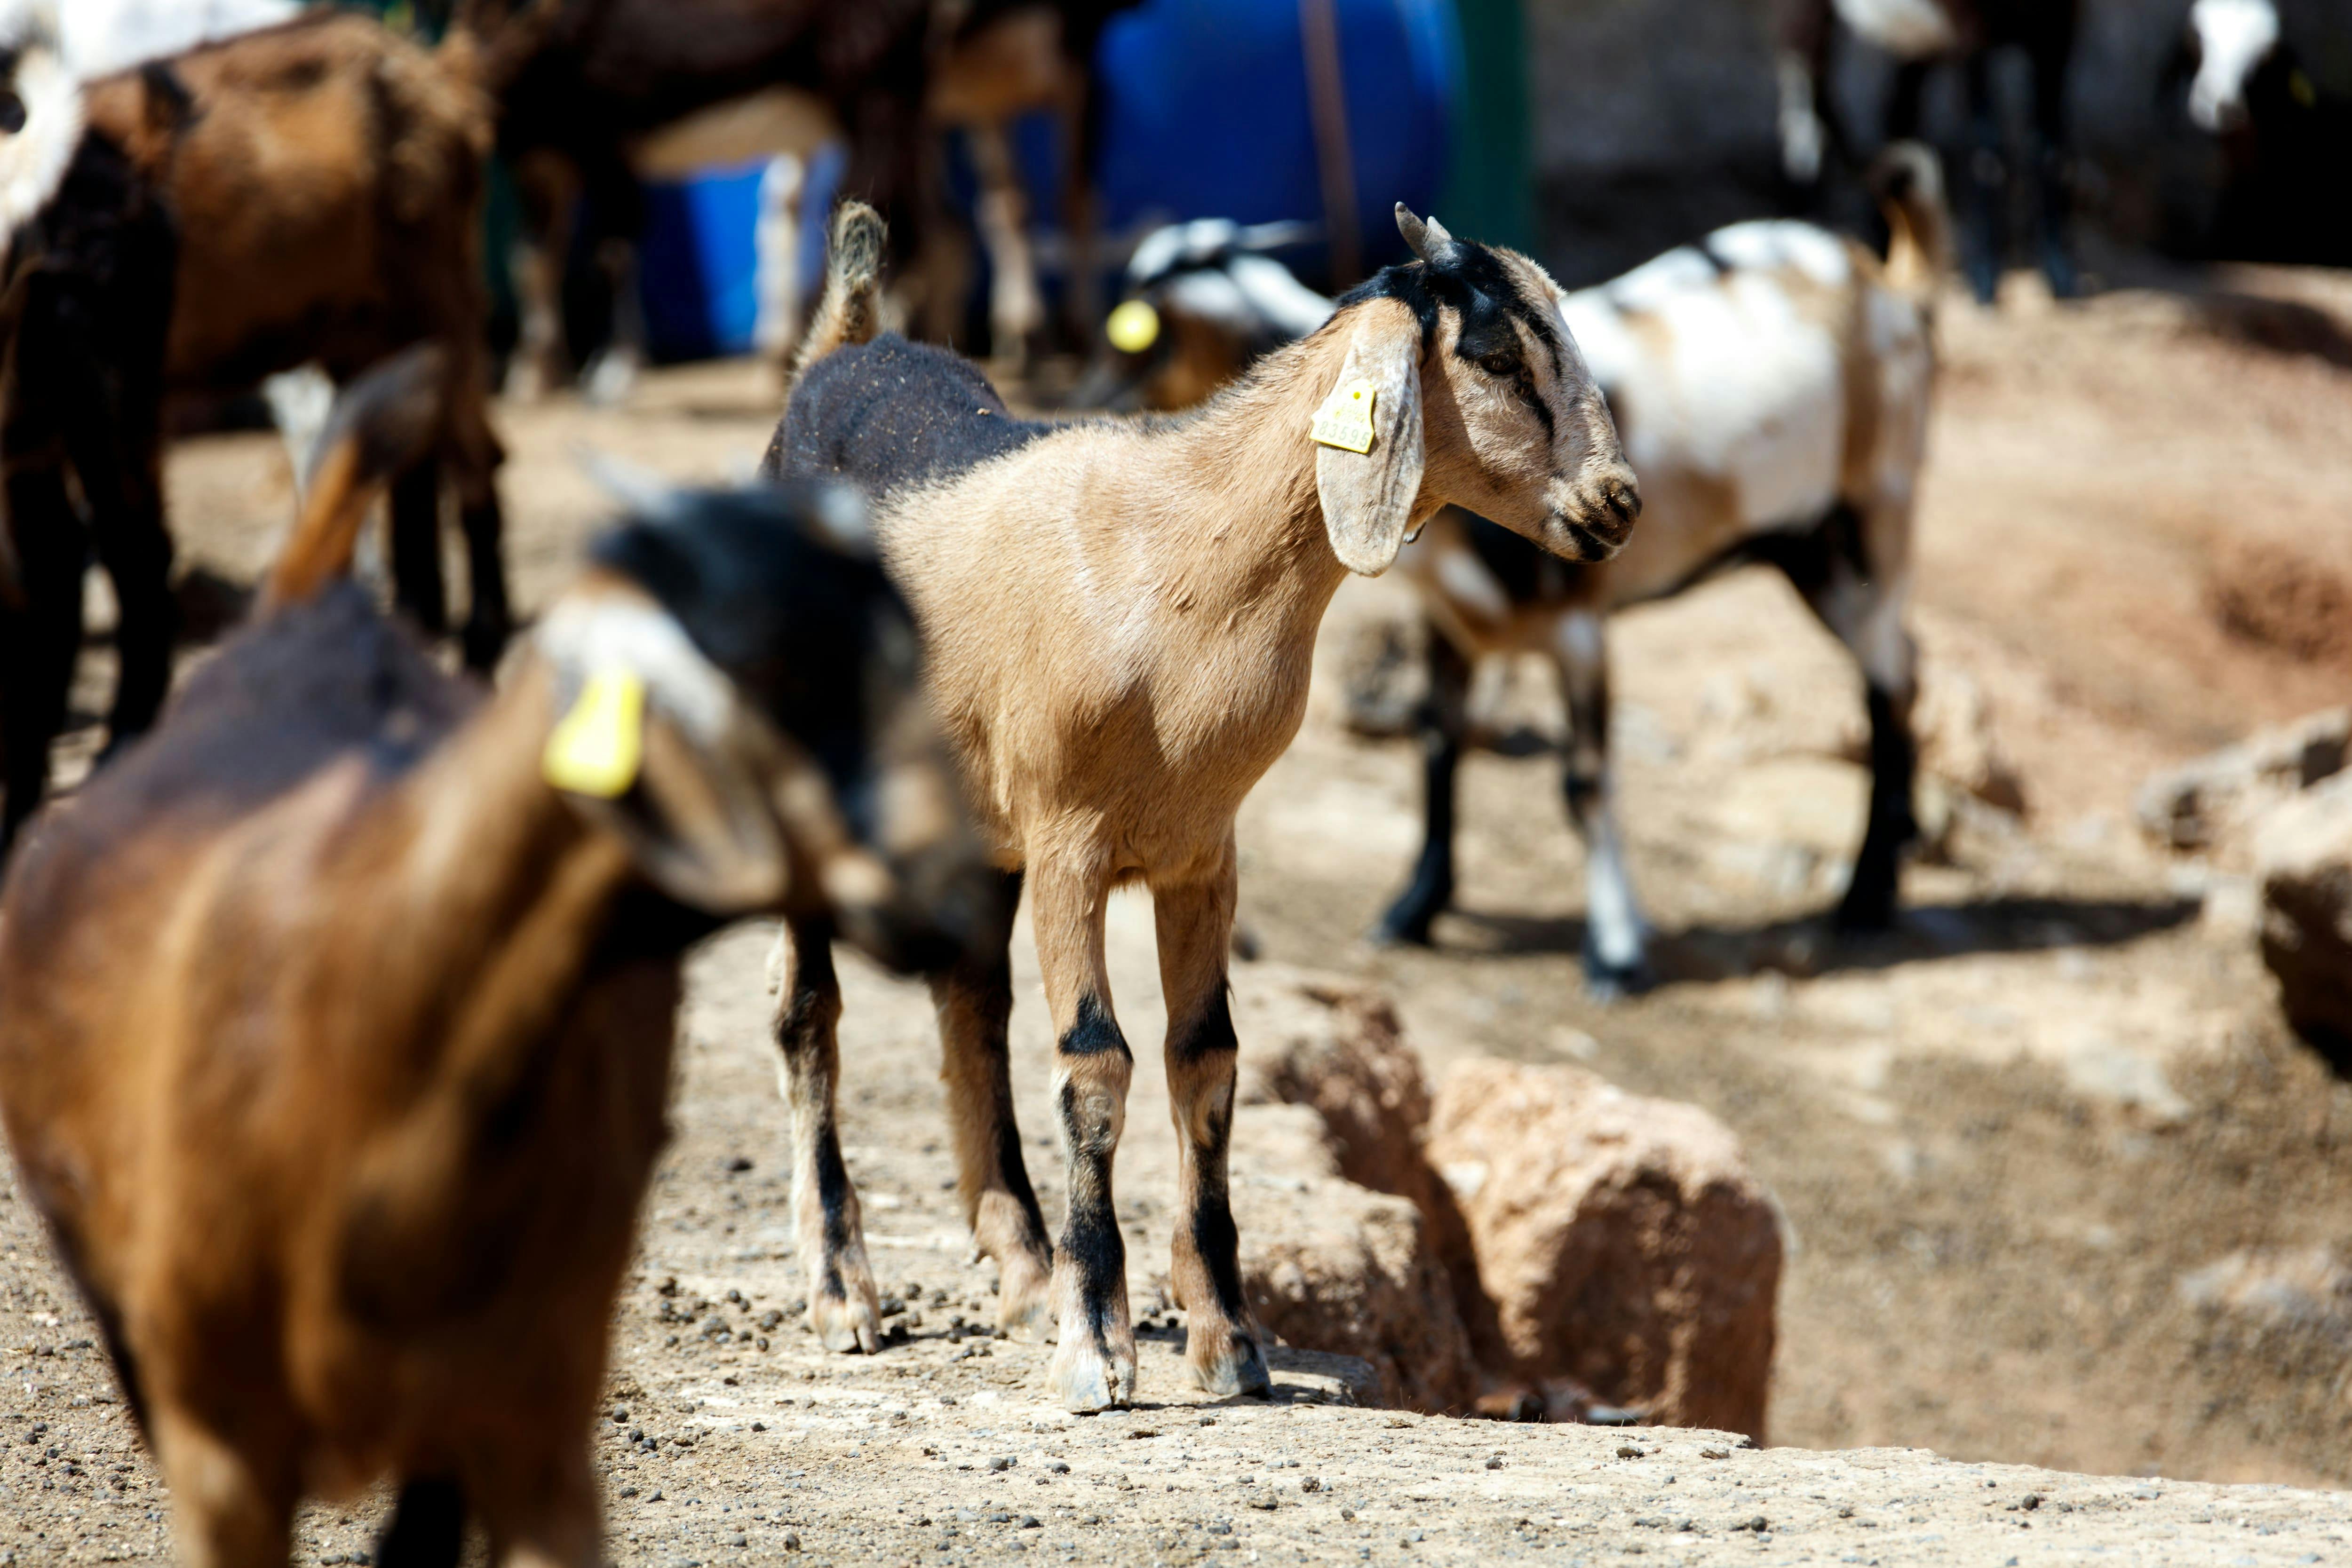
column 2009, row 1139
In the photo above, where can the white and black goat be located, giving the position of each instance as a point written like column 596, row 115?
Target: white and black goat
column 1772, row 386
column 2285, row 136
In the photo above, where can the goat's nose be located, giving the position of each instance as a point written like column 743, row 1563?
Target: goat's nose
column 1612, row 504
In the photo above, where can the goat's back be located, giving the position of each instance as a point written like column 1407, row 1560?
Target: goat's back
column 891, row 415
column 326, row 175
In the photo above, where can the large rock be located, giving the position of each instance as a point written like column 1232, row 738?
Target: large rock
column 1331, row 1266
column 2211, row 805
column 1624, row 1241
column 2303, row 862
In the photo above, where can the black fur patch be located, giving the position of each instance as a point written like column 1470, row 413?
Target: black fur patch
column 890, row 415
column 427, row 1529
column 1472, row 280
column 1212, row 1032
column 1094, row 1031
column 816, row 638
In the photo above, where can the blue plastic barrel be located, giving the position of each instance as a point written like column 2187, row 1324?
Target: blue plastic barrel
column 1206, row 114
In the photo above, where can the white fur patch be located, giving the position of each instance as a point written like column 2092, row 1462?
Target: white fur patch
column 588, row 634
column 1769, row 243
column 2234, row 36
column 102, row 36
column 1750, row 391
column 32, row 163
column 1288, row 306
column 1913, row 29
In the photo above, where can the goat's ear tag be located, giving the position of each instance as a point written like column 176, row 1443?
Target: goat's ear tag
column 1345, row 420
column 599, row 746
column 1133, row 327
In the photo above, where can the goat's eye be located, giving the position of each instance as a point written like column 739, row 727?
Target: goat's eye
column 1502, row 363
column 12, row 114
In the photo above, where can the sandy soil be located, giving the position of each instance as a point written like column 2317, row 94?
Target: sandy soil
column 2004, row 1138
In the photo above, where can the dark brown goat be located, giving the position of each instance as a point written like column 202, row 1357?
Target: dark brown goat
column 620, row 85
column 336, row 1019
column 327, row 177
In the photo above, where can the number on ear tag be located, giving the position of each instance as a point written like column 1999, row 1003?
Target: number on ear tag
column 1345, row 420
column 601, row 743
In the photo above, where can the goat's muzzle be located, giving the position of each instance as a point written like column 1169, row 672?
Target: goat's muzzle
column 1595, row 513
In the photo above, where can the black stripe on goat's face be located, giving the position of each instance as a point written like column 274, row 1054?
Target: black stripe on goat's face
column 1516, row 428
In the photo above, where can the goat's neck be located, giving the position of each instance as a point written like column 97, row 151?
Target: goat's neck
column 502, row 890
column 1243, row 472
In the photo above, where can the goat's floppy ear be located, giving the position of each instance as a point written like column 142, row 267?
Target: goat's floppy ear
column 1368, row 444
column 651, row 741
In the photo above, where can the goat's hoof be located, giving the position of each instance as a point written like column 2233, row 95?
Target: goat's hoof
column 608, row 381
column 847, row 1327
column 483, row 646
column 1865, row 914
column 1399, row 928
column 1614, row 979
column 1227, row 1363
column 1024, row 1302
column 1091, row 1372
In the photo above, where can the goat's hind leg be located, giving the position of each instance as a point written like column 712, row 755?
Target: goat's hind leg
column 975, row 1005
column 1616, row 937
column 1094, row 1365
column 1195, row 922
column 844, row 1307
column 427, row 1528
column 1861, row 597
column 1444, row 722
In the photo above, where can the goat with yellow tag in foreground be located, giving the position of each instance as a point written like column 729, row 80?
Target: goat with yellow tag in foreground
column 336, row 1019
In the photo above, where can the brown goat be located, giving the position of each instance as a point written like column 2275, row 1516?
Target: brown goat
column 327, row 179
column 336, row 1019
column 1120, row 621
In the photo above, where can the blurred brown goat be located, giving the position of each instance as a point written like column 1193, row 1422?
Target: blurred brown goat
column 336, row 1019
column 327, row 177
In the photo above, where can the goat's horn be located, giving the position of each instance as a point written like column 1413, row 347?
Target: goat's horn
column 1427, row 240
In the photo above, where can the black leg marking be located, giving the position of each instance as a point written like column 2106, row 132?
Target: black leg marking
column 489, row 622
column 1444, row 718
column 1093, row 1032
column 427, row 1529
column 418, row 584
column 1869, row 904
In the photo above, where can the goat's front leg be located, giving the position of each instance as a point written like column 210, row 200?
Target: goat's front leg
column 844, row 1307
column 540, row 1508
column 1094, row 1366
column 975, row 1004
column 1196, row 921
column 1616, row 939
column 228, row 1512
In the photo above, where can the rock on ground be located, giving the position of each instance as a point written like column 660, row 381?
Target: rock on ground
column 2209, row 805
column 1624, row 1241
column 1331, row 1266
column 2302, row 856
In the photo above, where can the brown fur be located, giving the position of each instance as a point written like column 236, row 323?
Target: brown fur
column 327, row 176
column 334, row 1042
column 1119, row 622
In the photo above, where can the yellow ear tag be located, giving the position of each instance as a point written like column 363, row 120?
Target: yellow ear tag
column 599, row 746
column 1345, row 420
column 1133, row 327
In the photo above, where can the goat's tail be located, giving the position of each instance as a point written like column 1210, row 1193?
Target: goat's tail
column 1908, row 182
column 384, row 426
column 849, row 311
